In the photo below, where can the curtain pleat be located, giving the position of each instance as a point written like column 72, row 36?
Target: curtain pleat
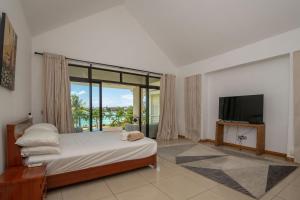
column 296, row 86
column 192, row 104
column 167, row 129
column 57, row 101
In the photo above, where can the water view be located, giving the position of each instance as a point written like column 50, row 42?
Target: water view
column 120, row 104
column 117, row 108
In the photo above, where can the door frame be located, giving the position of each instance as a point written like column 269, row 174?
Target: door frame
column 92, row 81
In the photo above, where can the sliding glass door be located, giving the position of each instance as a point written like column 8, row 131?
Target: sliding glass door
column 144, row 110
column 96, row 106
column 106, row 99
column 150, row 106
column 154, row 97
column 120, row 106
column 80, row 106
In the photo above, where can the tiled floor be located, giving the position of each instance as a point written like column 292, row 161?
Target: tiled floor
column 167, row 182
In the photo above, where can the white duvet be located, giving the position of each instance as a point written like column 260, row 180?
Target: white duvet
column 85, row 150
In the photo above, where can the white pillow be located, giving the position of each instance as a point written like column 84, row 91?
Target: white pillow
column 113, row 129
column 34, row 138
column 42, row 126
column 40, row 150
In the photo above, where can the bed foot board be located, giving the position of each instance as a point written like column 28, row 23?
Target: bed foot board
column 154, row 164
column 60, row 180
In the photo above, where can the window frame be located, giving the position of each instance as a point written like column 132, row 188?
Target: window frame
column 100, row 82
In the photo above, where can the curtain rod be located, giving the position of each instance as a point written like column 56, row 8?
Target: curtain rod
column 108, row 65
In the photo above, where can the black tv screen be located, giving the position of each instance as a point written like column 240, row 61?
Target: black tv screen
column 242, row 108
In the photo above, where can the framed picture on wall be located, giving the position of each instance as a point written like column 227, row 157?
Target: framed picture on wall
column 8, row 51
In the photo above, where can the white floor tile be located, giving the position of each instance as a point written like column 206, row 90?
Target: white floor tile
column 125, row 181
column 147, row 192
column 93, row 190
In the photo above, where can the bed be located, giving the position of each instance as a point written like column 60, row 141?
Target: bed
column 84, row 156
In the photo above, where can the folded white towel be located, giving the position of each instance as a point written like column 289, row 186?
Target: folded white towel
column 124, row 135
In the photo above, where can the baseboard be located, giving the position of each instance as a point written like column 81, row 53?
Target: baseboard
column 273, row 153
column 290, row 159
column 207, row 141
column 181, row 136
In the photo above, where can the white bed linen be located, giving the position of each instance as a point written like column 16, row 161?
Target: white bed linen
column 86, row 150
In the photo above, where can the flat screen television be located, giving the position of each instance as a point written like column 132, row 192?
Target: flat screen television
column 242, row 108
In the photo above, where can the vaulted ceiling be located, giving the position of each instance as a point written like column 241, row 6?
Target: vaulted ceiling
column 186, row 30
column 44, row 15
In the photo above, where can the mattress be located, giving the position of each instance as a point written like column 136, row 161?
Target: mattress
column 86, row 150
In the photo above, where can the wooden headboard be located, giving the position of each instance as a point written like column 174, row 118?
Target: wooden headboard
column 14, row 131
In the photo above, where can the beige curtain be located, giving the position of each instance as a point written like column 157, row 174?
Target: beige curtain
column 192, row 104
column 167, row 129
column 57, row 101
column 296, row 86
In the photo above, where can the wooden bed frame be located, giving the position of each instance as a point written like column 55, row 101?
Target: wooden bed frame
column 13, row 158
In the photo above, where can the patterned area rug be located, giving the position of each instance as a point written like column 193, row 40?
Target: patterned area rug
column 249, row 174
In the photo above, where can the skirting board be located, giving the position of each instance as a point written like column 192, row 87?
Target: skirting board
column 273, row 153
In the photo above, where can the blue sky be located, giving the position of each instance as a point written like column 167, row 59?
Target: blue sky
column 111, row 96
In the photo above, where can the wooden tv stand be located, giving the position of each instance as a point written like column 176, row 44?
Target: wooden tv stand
column 260, row 133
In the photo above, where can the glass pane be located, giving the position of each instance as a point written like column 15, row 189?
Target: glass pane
column 80, row 106
column 120, row 106
column 105, row 75
column 154, row 81
column 78, row 72
column 95, row 107
column 133, row 124
column 144, row 110
column 154, row 106
column 136, row 79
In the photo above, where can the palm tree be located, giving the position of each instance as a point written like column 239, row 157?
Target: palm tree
column 107, row 113
column 129, row 115
column 96, row 116
column 123, row 116
column 78, row 110
column 117, row 117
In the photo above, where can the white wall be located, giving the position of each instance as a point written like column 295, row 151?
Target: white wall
column 274, row 46
column 269, row 77
column 112, row 36
column 271, row 47
column 15, row 105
